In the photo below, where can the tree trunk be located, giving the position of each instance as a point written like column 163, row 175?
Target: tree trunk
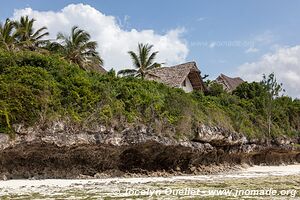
column 269, row 125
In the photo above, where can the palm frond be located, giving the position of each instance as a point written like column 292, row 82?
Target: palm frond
column 41, row 36
column 154, row 65
column 78, row 48
column 61, row 36
column 151, row 59
column 7, row 35
column 38, row 34
column 135, row 59
column 142, row 61
column 127, row 72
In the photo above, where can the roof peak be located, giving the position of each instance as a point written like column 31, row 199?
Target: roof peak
column 223, row 75
column 190, row 65
column 186, row 63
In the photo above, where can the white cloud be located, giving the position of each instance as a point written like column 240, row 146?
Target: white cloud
column 284, row 62
column 251, row 50
column 114, row 42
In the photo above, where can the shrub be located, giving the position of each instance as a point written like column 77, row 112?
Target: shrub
column 34, row 85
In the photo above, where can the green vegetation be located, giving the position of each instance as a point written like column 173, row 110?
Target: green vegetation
column 35, row 86
column 273, row 89
column 40, row 80
column 76, row 48
column 16, row 35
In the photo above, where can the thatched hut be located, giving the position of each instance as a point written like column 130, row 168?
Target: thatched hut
column 186, row 76
column 229, row 84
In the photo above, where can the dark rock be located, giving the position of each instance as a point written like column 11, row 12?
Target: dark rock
column 61, row 150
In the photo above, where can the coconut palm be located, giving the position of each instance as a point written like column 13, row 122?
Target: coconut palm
column 143, row 61
column 77, row 48
column 7, row 35
column 27, row 37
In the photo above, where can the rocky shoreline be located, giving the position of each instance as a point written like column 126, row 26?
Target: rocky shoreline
column 61, row 150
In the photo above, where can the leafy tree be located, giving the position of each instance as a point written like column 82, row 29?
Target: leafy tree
column 249, row 90
column 143, row 61
column 78, row 48
column 7, row 35
column 215, row 89
column 273, row 90
column 27, row 37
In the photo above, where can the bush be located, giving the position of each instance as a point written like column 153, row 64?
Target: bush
column 215, row 89
column 35, row 86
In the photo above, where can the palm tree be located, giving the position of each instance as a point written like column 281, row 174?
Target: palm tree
column 143, row 61
column 7, row 35
column 27, row 37
column 78, row 49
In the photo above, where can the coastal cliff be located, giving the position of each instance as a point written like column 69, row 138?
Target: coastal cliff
column 59, row 120
column 60, row 150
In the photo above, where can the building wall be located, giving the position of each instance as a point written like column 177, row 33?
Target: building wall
column 188, row 85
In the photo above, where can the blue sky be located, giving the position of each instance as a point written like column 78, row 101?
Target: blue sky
column 221, row 36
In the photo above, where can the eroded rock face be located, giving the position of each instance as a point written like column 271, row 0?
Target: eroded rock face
column 59, row 150
column 4, row 141
column 218, row 136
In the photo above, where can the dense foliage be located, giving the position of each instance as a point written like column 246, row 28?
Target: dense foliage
column 35, row 87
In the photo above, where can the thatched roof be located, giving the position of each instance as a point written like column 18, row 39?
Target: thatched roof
column 175, row 75
column 229, row 84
